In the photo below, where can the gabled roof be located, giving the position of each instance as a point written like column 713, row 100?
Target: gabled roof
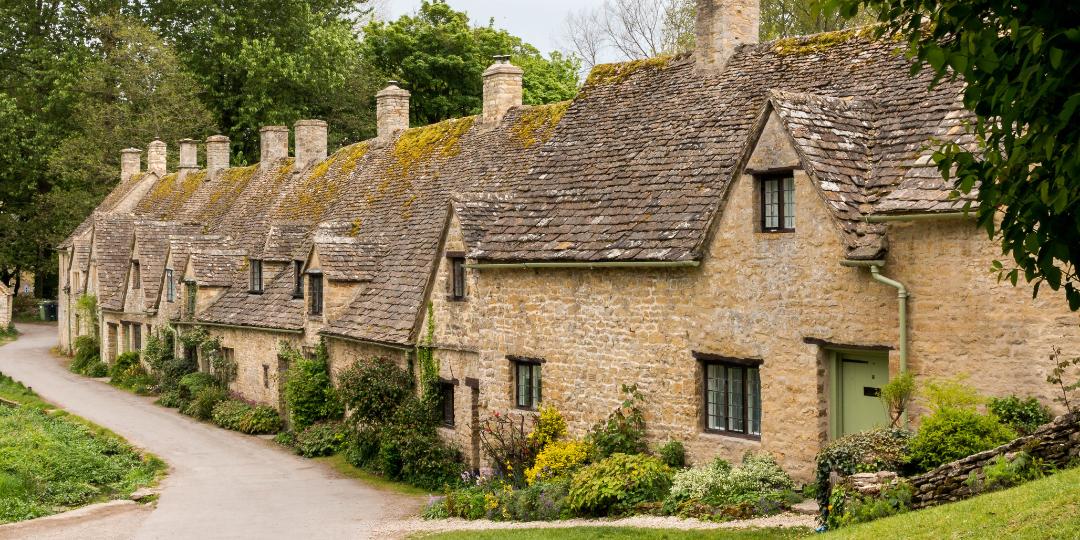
column 275, row 308
column 152, row 240
column 285, row 241
column 111, row 252
column 215, row 267
column 343, row 258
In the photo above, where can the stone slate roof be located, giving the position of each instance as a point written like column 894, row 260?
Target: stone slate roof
column 644, row 156
column 634, row 169
column 152, row 240
column 112, row 253
column 107, row 205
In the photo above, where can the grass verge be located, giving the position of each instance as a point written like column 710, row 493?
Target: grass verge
column 1048, row 508
column 624, row 533
column 56, row 461
column 339, row 464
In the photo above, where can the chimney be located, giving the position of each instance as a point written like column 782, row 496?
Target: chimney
column 217, row 153
column 502, row 88
column 723, row 25
column 392, row 106
column 310, row 142
column 130, row 163
column 273, row 145
column 189, row 155
column 155, row 157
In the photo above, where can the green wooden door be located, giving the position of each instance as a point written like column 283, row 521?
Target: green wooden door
column 862, row 376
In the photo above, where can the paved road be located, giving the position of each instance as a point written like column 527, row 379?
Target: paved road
column 221, row 484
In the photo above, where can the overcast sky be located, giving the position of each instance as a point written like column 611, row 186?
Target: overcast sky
column 535, row 21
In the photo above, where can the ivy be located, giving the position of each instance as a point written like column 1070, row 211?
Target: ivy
column 209, row 348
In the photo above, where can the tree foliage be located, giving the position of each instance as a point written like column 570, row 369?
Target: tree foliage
column 1019, row 60
column 439, row 57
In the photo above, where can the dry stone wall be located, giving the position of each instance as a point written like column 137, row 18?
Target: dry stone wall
column 1056, row 443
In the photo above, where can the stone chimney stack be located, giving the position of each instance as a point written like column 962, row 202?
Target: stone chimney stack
column 273, row 145
column 723, row 25
column 392, row 109
column 189, row 155
column 310, row 142
column 502, row 88
column 155, row 157
column 217, row 153
column 130, row 163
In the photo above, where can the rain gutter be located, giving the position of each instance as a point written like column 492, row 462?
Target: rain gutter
column 589, row 265
column 914, row 217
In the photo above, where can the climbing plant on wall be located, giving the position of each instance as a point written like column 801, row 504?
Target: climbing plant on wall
column 209, row 348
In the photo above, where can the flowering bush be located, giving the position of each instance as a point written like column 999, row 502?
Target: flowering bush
column 718, row 483
column 558, row 459
column 543, row 501
column 509, row 447
column 618, row 483
column 550, row 426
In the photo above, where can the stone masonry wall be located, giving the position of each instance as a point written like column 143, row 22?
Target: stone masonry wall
column 6, row 302
column 253, row 349
column 755, row 295
column 1057, row 443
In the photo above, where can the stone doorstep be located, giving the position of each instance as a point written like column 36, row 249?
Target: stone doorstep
column 809, row 507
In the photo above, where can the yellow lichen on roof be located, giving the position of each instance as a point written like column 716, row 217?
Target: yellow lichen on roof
column 315, row 192
column 232, row 183
column 163, row 188
column 536, row 124
column 617, row 73
column 437, row 140
column 818, row 42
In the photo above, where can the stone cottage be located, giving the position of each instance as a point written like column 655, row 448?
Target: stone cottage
column 7, row 304
column 753, row 233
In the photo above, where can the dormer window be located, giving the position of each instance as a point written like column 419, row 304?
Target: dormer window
column 170, row 285
column 256, row 277
column 298, row 279
column 316, row 292
column 135, row 274
column 778, row 203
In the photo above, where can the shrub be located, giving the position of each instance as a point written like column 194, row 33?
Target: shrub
column 228, row 413
column 321, row 439
column 124, row 365
column 866, row 451
column 87, row 353
column 951, row 434
column 286, row 438
column 508, row 447
column 308, row 390
column 202, row 407
column 373, row 388
column 1001, row 472
column 262, row 419
column 1024, row 417
column 558, row 460
column 239, row 414
column 169, row 368
column 896, row 396
column 170, row 399
column 849, row 507
column 543, row 501
column 617, row 483
column 951, row 393
column 97, row 370
column 673, row 454
column 191, row 384
column 720, row 484
column 622, row 433
column 550, row 426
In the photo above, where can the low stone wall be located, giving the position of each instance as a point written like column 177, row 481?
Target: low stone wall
column 1055, row 443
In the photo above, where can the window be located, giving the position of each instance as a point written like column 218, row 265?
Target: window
column 192, row 288
column 256, row 277
column 316, row 293
column 135, row 274
column 228, row 356
column 778, row 203
column 136, row 337
column 732, row 398
column 298, row 279
column 458, row 277
column 528, row 378
column 266, row 376
column 170, row 285
column 448, row 404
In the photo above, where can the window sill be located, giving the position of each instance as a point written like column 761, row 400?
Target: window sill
column 255, row 292
column 318, row 317
column 451, row 298
column 448, row 426
column 732, row 435
column 775, row 231
column 522, row 408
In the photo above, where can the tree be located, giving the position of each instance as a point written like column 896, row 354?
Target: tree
column 1019, row 60
column 264, row 62
column 439, row 57
column 788, row 18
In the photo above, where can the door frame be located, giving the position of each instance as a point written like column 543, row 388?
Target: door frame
column 836, row 393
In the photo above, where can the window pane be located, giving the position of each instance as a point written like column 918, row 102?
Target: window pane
column 735, row 399
column 714, row 398
column 789, row 203
column 524, row 391
column 753, row 400
column 772, row 203
column 536, row 395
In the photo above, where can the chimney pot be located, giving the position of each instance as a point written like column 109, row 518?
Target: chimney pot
column 130, row 163
column 721, row 26
column 189, row 154
column 502, row 88
column 273, row 145
column 310, row 142
column 217, row 153
column 155, row 157
column 392, row 109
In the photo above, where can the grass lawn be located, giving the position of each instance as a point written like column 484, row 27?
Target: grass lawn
column 1048, row 508
column 625, row 533
column 52, row 462
column 342, row 466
